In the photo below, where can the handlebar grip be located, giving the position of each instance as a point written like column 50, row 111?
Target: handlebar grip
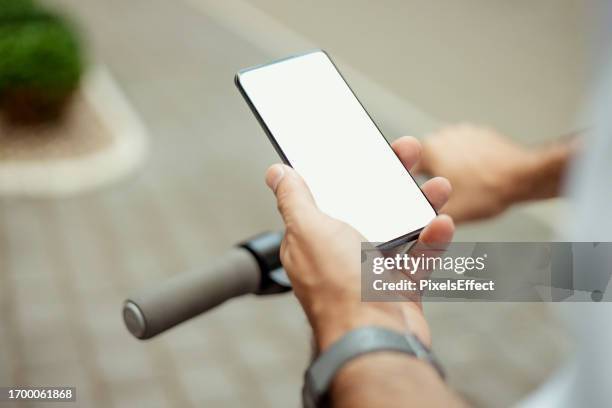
column 184, row 296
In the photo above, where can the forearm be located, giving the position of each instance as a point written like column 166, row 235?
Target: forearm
column 388, row 379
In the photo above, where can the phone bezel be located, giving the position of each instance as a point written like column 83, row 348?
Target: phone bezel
column 403, row 239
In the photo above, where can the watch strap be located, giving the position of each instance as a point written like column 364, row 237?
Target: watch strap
column 357, row 342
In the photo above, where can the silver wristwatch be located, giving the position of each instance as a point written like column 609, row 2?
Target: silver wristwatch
column 323, row 369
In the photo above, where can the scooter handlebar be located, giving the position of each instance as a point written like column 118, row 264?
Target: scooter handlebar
column 186, row 295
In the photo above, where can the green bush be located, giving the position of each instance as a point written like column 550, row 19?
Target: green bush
column 40, row 61
column 14, row 9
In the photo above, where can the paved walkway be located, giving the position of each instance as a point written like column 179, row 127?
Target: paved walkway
column 67, row 265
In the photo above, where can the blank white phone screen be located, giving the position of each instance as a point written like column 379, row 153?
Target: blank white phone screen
column 328, row 138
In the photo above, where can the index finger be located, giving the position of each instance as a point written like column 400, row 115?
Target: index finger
column 408, row 149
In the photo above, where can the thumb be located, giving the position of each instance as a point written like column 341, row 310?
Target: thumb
column 292, row 194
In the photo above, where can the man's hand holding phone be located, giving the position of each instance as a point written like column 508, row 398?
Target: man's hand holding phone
column 318, row 126
column 322, row 256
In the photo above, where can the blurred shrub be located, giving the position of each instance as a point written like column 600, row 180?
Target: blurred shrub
column 15, row 9
column 40, row 62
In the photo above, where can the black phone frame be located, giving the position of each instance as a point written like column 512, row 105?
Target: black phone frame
column 403, row 239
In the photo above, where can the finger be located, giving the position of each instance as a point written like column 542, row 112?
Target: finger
column 439, row 231
column 292, row 194
column 423, row 166
column 453, row 210
column 438, row 191
column 408, row 149
column 420, row 167
column 433, row 242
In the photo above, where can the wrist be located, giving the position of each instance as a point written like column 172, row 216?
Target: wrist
column 523, row 179
column 400, row 317
column 542, row 174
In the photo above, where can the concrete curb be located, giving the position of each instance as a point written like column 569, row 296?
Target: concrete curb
column 68, row 176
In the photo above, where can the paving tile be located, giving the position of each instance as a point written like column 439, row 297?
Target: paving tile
column 140, row 394
column 46, row 345
column 121, row 362
column 6, row 375
column 218, row 387
column 65, row 373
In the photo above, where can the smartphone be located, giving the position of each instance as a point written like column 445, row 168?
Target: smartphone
column 319, row 127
